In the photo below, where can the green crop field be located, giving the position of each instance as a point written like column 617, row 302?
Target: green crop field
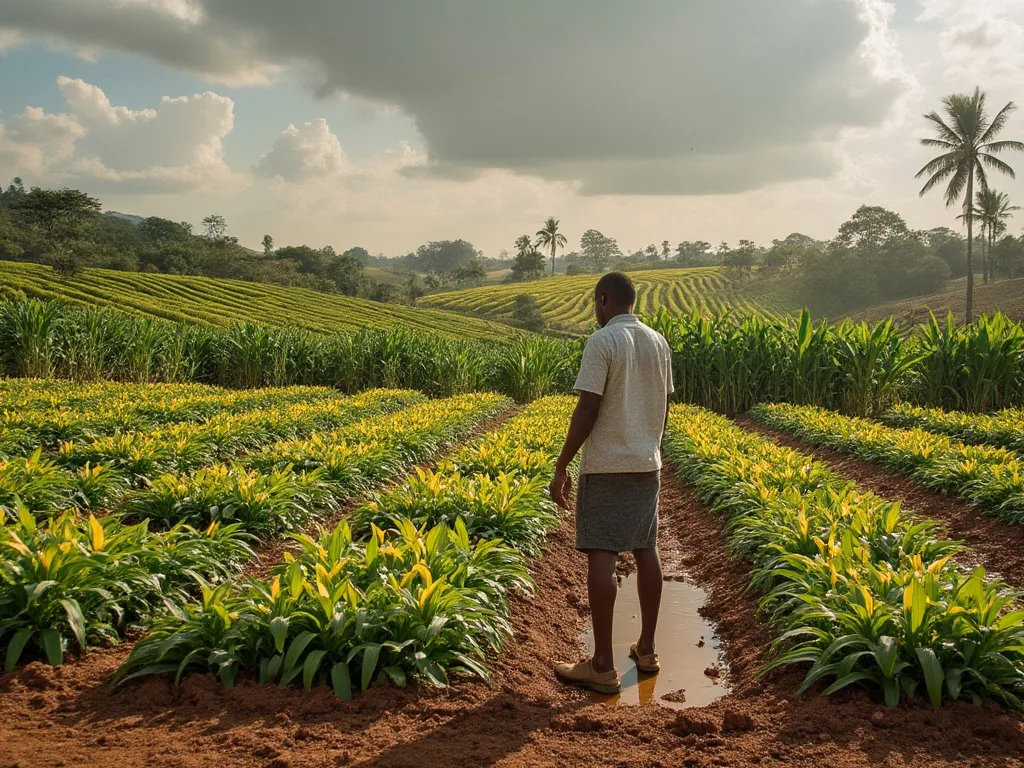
column 223, row 303
column 566, row 302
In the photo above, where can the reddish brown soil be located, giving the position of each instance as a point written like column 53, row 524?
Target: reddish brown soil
column 68, row 716
column 997, row 546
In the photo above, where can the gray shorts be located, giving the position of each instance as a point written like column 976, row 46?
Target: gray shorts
column 617, row 512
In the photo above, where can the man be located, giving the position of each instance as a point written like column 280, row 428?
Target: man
column 624, row 383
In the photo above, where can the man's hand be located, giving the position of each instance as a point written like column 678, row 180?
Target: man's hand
column 560, row 487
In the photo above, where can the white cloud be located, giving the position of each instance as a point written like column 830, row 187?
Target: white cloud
column 175, row 148
column 300, row 154
column 979, row 39
column 653, row 96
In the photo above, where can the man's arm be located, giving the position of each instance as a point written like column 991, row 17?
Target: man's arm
column 583, row 419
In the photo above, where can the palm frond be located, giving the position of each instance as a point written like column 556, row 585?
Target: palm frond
column 938, row 143
column 957, row 185
column 1001, row 146
column 945, row 163
column 944, row 131
column 998, row 122
column 996, row 164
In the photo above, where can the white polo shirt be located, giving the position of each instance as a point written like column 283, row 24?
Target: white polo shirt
column 630, row 365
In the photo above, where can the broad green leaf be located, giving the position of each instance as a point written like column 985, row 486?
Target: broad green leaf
column 16, row 646
column 341, row 681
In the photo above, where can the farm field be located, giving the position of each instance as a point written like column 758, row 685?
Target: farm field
column 370, row 559
column 1006, row 296
column 566, row 302
column 221, row 303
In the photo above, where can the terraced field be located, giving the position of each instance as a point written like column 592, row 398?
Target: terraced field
column 223, row 303
column 566, row 301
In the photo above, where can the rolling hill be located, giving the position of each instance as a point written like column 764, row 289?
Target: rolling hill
column 1006, row 296
column 566, row 302
column 222, row 302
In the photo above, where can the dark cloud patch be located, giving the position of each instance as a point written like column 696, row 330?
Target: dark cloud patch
column 645, row 97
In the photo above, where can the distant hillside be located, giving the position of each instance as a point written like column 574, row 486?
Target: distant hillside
column 1006, row 296
column 225, row 302
column 566, row 302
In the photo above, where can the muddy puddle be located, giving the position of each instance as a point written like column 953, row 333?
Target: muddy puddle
column 688, row 649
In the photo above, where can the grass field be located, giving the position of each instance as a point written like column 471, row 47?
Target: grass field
column 223, row 303
column 566, row 301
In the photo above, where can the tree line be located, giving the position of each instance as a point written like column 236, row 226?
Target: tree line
column 66, row 229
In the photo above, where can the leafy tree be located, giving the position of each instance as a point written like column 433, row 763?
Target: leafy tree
column 869, row 228
column 651, row 252
column 526, row 314
column 550, row 237
column 666, row 252
column 359, row 254
column 345, row 272
column 1008, row 256
column 445, row 255
column 950, row 247
column 216, row 227
column 163, row 232
column 692, row 253
column 471, row 273
column 524, row 244
column 268, row 245
column 528, row 266
column 596, row 251
column 968, row 149
column 307, row 260
column 573, row 269
column 59, row 215
column 414, row 289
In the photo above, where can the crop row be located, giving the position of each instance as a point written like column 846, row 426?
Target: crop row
column 1004, row 429
column 989, row 478
column 416, row 586
column 81, row 580
column 567, row 302
column 44, row 413
column 221, row 302
column 50, row 339
column 855, row 588
column 94, row 473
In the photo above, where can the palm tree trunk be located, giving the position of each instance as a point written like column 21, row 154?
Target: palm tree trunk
column 968, row 212
column 552, row 259
column 984, row 253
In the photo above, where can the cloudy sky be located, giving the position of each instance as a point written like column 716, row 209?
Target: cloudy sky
column 390, row 123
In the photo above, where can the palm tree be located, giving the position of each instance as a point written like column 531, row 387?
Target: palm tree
column 524, row 244
column 967, row 149
column 550, row 237
column 994, row 209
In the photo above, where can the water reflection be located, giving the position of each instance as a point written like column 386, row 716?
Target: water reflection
column 686, row 645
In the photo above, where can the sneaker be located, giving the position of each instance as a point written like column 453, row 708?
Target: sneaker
column 583, row 674
column 647, row 663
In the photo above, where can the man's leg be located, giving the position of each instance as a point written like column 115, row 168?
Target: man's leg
column 648, row 585
column 601, row 589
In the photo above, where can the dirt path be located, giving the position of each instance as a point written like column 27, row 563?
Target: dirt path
column 68, row 716
column 997, row 546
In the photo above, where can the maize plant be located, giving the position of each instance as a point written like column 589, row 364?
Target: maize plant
column 75, row 582
column 1004, row 429
column 858, row 591
column 992, row 479
column 406, row 599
